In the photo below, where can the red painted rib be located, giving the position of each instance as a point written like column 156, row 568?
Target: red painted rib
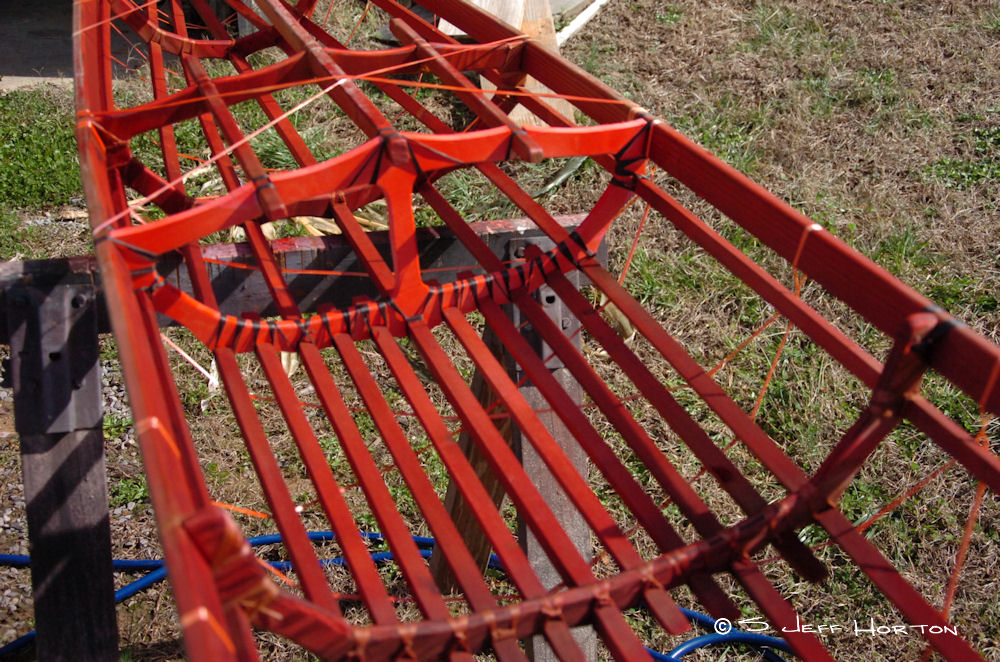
column 221, row 589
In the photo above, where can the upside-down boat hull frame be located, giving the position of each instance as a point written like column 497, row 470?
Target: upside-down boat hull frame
column 221, row 591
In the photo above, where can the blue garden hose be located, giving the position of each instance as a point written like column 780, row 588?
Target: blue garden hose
column 762, row 643
column 157, row 571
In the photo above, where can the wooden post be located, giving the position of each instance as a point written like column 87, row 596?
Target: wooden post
column 510, row 12
column 533, row 18
column 57, row 407
column 537, row 23
column 460, row 513
column 570, row 519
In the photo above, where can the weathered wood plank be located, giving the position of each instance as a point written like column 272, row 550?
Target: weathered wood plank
column 242, row 289
column 537, row 23
column 57, row 403
column 460, row 512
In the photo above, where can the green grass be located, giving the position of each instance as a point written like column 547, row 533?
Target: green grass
column 598, row 54
column 115, row 427
column 16, row 240
column 993, row 22
column 657, row 281
column 729, row 128
column 669, row 15
column 965, row 293
column 38, row 162
column 906, row 255
column 902, row 251
column 128, row 490
column 471, row 195
column 823, row 98
column 875, row 91
column 962, row 174
column 875, row 87
column 269, row 146
column 784, row 29
column 979, row 167
column 671, row 282
column 771, row 24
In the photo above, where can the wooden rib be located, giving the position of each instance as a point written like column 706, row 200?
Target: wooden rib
column 334, row 505
column 711, row 456
column 560, row 466
column 610, row 623
column 449, row 540
column 625, row 485
column 515, row 562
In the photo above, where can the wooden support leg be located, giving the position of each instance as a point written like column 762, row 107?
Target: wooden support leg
column 466, row 523
column 571, row 520
column 57, row 407
column 569, row 517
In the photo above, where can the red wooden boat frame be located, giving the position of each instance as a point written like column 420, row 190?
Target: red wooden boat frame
column 220, row 587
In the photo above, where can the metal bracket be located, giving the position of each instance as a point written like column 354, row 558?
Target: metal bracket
column 550, row 302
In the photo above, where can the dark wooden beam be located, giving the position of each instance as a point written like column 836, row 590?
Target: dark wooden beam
column 55, row 374
column 570, row 519
column 241, row 289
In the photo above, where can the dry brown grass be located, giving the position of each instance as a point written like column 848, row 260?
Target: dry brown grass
column 843, row 109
